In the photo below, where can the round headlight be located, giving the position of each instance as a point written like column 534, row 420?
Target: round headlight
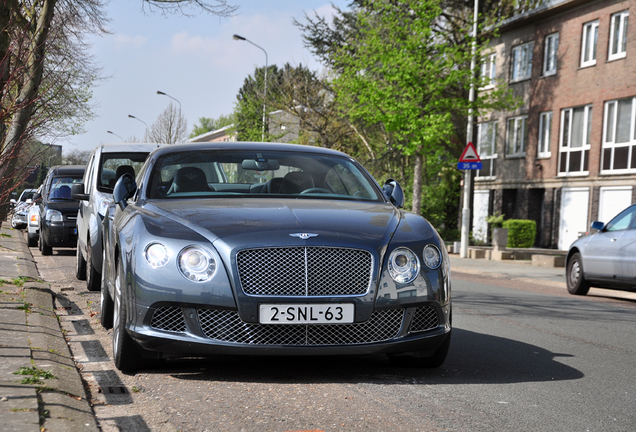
column 432, row 257
column 197, row 264
column 403, row 265
column 156, row 255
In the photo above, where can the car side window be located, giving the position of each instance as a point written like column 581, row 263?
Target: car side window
column 623, row 221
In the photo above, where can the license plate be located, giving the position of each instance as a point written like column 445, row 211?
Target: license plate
column 332, row 313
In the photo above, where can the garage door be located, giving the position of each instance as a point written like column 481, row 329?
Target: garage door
column 574, row 220
column 613, row 200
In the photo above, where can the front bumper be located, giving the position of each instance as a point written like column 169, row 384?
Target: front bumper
column 178, row 331
column 60, row 234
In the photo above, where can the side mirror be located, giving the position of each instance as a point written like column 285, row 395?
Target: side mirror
column 77, row 192
column 37, row 196
column 598, row 226
column 394, row 192
column 124, row 189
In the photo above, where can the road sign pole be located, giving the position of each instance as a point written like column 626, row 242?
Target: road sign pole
column 463, row 252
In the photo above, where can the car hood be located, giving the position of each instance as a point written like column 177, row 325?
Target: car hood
column 251, row 222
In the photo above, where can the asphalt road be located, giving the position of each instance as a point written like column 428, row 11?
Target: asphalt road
column 524, row 357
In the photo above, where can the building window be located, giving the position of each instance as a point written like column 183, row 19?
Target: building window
column 588, row 44
column 618, row 35
column 522, row 61
column 550, row 54
column 619, row 136
column 517, row 136
column 487, row 148
column 545, row 134
column 488, row 71
column 576, row 130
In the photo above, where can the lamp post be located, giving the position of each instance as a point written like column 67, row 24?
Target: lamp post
column 173, row 98
column 113, row 133
column 133, row 117
column 241, row 38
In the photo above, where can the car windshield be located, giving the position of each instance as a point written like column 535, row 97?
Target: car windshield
column 61, row 187
column 114, row 165
column 217, row 173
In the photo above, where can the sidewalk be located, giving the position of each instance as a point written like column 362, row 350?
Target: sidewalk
column 49, row 394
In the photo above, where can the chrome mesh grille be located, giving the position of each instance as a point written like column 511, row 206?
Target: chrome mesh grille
column 304, row 271
column 425, row 318
column 227, row 326
column 168, row 319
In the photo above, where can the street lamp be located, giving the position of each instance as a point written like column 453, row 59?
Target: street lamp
column 166, row 94
column 113, row 133
column 133, row 117
column 241, row 38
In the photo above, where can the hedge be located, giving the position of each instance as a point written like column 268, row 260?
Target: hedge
column 521, row 233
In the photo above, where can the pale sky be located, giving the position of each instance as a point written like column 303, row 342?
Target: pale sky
column 193, row 59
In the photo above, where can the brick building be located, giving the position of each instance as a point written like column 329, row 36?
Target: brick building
column 567, row 155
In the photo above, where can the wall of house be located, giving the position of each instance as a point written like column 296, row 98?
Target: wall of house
column 528, row 186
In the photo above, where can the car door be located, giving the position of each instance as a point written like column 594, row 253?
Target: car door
column 625, row 263
column 602, row 257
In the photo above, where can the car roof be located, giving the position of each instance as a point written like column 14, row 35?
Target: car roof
column 67, row 169
column 247, row 146
column 128, row 147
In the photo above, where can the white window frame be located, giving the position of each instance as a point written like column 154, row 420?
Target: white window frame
column 589, row 39
column 610, row 126
column 566, row 150
column 551, row 46
column 491, row 158
column 618, row 26
column 545, row 135
column 521, row 62
column 515, row 144
column 488, row 71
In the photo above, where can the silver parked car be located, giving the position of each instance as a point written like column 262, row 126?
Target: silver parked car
column 270, row 249
column 106, row 164
column 605, row 259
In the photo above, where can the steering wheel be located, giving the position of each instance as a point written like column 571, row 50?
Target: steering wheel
column 315, row 190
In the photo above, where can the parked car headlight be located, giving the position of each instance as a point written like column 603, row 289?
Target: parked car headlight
column 156, row 255
column 403, row 265
column 196, row 264
column 432, row 257
column 53, row 216
column 34, row 218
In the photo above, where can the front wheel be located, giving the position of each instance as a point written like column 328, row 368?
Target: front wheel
column 32, row 239
column 44, row 246
column 577, row 284
column 126, row 354
column 106, row 302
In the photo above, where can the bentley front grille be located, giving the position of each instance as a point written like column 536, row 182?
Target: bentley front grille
column 168, row 319
column 227, row 326
column 304, row 271
column 425, row 319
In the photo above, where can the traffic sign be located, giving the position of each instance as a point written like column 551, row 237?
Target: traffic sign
column 469, row 154
column 469, row 165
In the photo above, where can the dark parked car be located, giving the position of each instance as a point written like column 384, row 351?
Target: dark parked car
column 605, row 259
column 58, row 211
column 105, row 165
column 270, row 249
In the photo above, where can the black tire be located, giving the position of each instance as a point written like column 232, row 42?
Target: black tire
column 93, row 277
column 126, row 353
column 32, row 239
column 44, row 246
column 436, row 360
column 80, row 264
column 106, row 302
column 577, row 284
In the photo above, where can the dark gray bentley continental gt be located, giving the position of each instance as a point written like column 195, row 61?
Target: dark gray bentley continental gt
column 269, row 249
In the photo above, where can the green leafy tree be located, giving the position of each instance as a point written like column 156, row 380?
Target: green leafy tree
column 207, row 124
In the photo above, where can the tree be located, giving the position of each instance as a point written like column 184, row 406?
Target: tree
column 207, row 124
column 46, row 74
column 76, row 157
column 249, row 105
column 170, row 127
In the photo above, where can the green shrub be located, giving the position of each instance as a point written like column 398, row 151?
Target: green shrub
column 521, row 233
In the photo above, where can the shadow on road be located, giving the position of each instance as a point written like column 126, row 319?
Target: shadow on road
column 473, row 358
